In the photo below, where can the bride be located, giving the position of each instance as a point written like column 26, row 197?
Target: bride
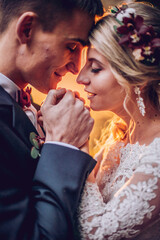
column 121, row 198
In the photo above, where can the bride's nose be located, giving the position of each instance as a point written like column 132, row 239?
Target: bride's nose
column 83, row 78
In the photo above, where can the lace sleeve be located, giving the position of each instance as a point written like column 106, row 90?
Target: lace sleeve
column 132, row 208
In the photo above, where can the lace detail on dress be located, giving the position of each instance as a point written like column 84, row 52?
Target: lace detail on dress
column 108, row 169
column 135, row 202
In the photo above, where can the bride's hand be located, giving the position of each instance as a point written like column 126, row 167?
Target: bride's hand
column 40, row 118
column 85, row 147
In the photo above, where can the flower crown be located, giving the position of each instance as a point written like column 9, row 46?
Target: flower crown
column 142, row 39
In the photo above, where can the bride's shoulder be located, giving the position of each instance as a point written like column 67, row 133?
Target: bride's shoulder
column 155, row 144
column 151, row 152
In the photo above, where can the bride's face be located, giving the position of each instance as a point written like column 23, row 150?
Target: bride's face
column 101, row 86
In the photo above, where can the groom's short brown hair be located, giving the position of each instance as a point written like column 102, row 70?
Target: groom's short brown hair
column 49, row 12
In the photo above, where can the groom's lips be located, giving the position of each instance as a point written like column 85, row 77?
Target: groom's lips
column 57, row 74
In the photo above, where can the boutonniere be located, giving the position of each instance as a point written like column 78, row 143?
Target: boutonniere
column 37, row 143
column 24, row 97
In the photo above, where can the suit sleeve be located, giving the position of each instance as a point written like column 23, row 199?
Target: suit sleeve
column 38, row 198
column 58, row 182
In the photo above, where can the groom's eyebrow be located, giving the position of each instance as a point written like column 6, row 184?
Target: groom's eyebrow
column 81, row 41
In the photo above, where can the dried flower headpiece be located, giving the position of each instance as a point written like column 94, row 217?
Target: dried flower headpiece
column 142, row 39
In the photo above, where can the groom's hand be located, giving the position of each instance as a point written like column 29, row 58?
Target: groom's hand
column 67, row 120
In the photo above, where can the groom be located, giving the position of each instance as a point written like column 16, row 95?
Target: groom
column 40, row 185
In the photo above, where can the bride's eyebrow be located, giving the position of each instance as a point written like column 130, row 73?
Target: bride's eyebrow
column 94, row 60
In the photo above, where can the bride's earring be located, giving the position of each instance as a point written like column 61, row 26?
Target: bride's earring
column 140, row 102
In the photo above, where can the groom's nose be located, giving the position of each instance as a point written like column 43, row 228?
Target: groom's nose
column 74, row 64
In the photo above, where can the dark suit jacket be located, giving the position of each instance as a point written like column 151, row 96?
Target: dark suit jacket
column 38, row 198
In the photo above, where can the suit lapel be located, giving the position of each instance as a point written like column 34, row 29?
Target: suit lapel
column 20, row 122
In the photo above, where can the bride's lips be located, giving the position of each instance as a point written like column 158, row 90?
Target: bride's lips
column 90, row 95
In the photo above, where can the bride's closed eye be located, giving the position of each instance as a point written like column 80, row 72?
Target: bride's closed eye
column 95, row 68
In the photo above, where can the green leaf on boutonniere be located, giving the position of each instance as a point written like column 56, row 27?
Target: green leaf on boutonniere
column 37, row 143
column 34, row 153
column 31, row 137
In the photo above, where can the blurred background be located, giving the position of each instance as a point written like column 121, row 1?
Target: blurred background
column 69, row 82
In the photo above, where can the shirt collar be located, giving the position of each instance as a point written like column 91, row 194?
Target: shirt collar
column 9, row 86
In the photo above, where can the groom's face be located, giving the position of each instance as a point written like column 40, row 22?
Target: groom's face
column 58, row 52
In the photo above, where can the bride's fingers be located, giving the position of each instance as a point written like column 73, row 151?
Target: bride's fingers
column 77, row 95
column 85, row 147
column 82, row 99
column 88, row 108
column 39, row 114
column 40, row 121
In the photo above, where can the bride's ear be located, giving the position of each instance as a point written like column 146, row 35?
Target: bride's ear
column 25, row 26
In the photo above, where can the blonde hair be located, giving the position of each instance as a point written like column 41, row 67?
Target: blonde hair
column 130, row 71
column 127, row 70
column 115, row 129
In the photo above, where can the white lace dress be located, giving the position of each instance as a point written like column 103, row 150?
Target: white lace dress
column 124, row 202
